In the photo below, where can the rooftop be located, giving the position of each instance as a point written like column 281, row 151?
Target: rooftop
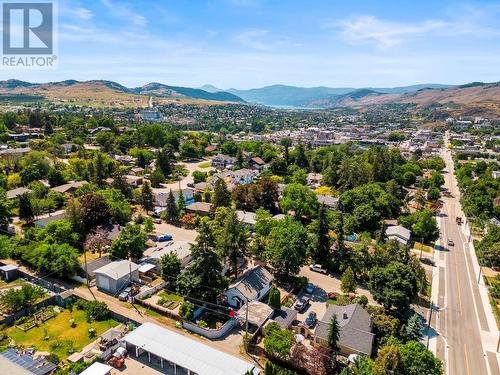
column 118, row 269
column 186, row 352
column 252, row 282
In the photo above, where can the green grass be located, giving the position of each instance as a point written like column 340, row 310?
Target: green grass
column 12, row 283
column 172, row 297
column 61, row 336
column 205, row 164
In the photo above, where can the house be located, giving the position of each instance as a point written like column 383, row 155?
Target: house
column 133, row 181
column 314, row 179
column 210, row 148
column 202, row 187
column 69, row 147
column 257, row 164
column 355, row 326
column 17, row 362
column 161, row 197
column 252, row 285
column 14, row 152
column 180, row 248
column 247, row 218
column 285, row 317
column 45, row 220
column 199, row 208
column 95, row 264
column 137, row 171
column 495, row 174
column 70, row 187
column 233, row 178
column 14, row 193
column 97, row 368
column 176, row 353
column 398, row 233
column 221, row 161
column 116, row 276
column 330, row 202
column 8, row 272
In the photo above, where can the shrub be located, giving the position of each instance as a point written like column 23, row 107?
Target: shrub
column 202, row 324
column 186, row 311
column 94, row 310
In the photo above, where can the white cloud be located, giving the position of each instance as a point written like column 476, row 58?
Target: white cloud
column 123, row 10
column 83, row 13
column 254, row 39
column 384, row 34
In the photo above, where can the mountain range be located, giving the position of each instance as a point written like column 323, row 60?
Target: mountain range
column 475, row 97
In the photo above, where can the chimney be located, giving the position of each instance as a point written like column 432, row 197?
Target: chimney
column 345, row 315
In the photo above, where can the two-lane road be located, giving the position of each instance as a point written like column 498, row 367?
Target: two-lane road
column 461, row 316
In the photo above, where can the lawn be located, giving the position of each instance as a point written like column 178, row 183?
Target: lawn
column 205, row 164
column 57, row 336
column 172, row 297
column 426, row 248
column 12, row 283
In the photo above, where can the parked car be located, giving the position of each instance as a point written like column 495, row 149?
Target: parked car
column 302, row 303
column 165, row 237
column 451, row 243
column 428, row 261
column 318, row 268
column 124, row 295
column 190, row 184
column 157, row 221
column 311, row 319
column 310, row 288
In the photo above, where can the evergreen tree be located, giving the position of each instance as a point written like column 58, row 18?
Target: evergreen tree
column 171, row 212
column 120, row 184
column 157, row 178
column 333, row 335
column 348, row 282
column 321, row 250
column 164, row 161
column 240, row 161
column 55, row 177
column 274, row 299
column 181, row 203
column 232, row 241
column 414, row 328
column 300, row 157
column 221, row 196
column 147, row 198
column 26, row 212
column 99, row 169
column 170, row 266
column 5, row 213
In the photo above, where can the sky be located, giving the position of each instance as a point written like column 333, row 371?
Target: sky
column 253, row 43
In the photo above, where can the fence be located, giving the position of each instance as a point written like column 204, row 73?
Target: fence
column 41, row 282
column 11, row 319
column 149, row 292
column 211, row 333
column 158, row 309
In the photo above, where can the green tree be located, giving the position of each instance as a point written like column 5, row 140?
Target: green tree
column 5, row 213
column 221, row 196
column 286, row 143
column 147, row 198
column 170, row 266
column 300, row 157
column 414, row 328
column 157, row 178
column 55, row 177
column 130, row 243
column 299, row 199
column 334, row 335
column 181, row 203
column 25, row 208
column 274, row 298
column 348, row 282
column 164, row 161
column 388, row 361
column 171, row 212
column 417, row 360
column 121, row 184
column 232, row 240
column 106, row 140
column 148, row 225
column 277, row 341
column 394, row 286
column 119, row 207
column 203, row 276
column 288, row 247
column 269, row 193
column 60, row 260
column 322, row 243
column 488, row 249
column 433, row 194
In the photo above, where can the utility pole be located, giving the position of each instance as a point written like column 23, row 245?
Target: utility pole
column 86, row 270
column 246, row 328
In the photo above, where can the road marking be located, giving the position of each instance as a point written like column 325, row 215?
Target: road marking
column 466, row 359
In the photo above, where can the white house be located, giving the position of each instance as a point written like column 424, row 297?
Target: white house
column 398, row 233
column 252, row 286
column 181, row 248
column 116, row 276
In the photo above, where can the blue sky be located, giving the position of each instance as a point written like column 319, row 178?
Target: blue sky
column 253, row 43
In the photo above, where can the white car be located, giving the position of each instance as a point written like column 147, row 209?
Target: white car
column 318, row 268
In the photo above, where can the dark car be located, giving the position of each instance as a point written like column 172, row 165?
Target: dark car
column 311, row 319
column 302, row 303
column 310, row 288
column 427, row 261
column 451, row 243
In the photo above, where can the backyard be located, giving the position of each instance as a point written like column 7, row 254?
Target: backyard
column 58, row 336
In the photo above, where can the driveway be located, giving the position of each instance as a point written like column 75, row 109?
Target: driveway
column 318, row 303
column 178, row 233
column 191, row 166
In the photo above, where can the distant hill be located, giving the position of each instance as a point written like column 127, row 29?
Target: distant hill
column 282, row 95
column 210, row 88
column 160, row 89
column 102, row 92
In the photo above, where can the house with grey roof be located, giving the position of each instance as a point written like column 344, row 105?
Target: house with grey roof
column 14, row 193
column 398, row 233
column 70, row 187
column 252, row 286
column 116, row 276
column 355, row 329
column 330, row 202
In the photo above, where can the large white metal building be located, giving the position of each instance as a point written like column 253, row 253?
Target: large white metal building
column 168, row 349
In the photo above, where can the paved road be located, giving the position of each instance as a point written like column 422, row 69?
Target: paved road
column 462, row 316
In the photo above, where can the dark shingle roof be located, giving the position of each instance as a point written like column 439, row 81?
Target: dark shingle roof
column 355, row 327
column 285, row 317
column 253, row 282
